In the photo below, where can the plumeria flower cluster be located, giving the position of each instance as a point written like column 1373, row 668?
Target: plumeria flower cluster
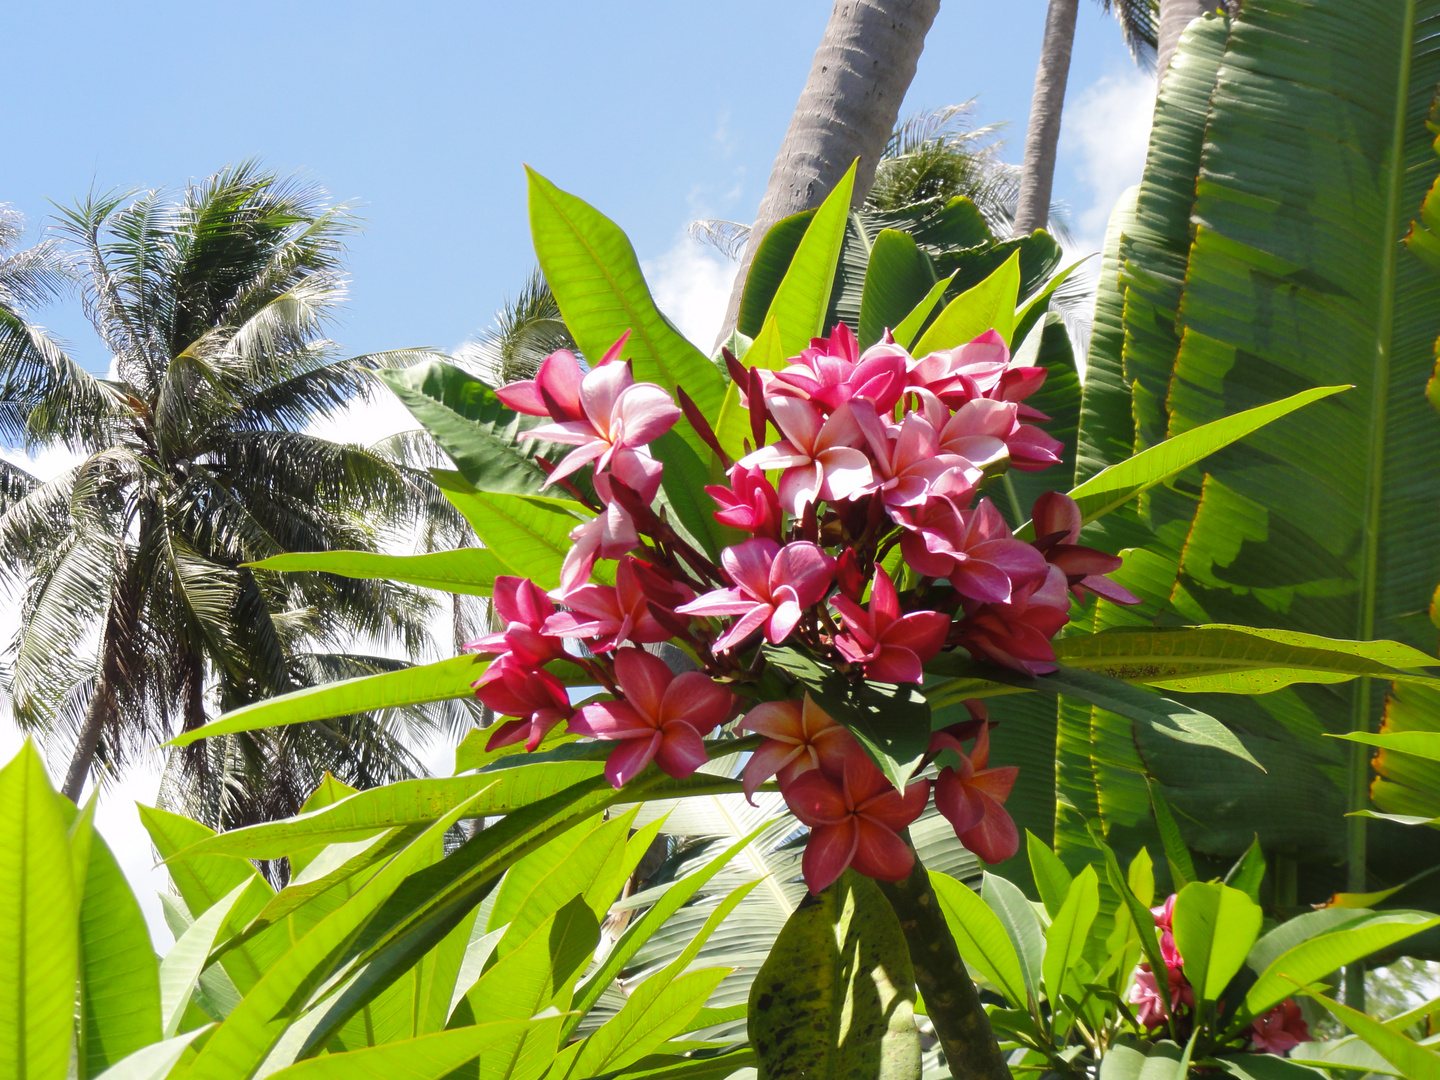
column 861, row 537
column 1276, row 1031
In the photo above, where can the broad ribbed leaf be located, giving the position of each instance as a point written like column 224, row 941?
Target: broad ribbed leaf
column 119, row 979
column 246, row 1036
column 910, row 326
column 988, row 305
column 1106, row 430
column 593, row 272
column 408, row 686
column 469, row 422
column 468, row 570
column 767, row 270
column 1214, row 927
column 1277, row 256
column 1023, row 928
column 530, row 534
column 981, row 938
column 39, row 910
column 897, row 278
column 804, row 294
column 1414, row 1061
column 407, row 802
column 1318, row 956
column 181, row 968
column 1065, row 938
column 834, row 998
column 427, row 1057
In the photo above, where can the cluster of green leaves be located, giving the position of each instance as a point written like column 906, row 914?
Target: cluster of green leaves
column 1251, row 262
column 382, row 957
column 1062, row 966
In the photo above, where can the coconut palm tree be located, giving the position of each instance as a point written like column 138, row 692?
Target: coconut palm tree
column 1138, row 24
column 139, row 613
column 847, row 109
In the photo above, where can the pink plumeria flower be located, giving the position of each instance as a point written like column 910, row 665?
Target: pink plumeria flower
column 1057, row 523
column 891, row 644
column 854, row 822
column 773, row 587
column 1164, row 916
column 606, row 616
column 1145, row 995
column 1018, row 634
column 532, row 695
column 819, row 456
column 750, row 503
column 798, row 737
column 964, row 373
column 663, row 717
column 908, row 461
column 974, row 549
column 555, row 390
column 1280, row 1030
column 829, row 373
column 619, row 415
column 523, row 607
column 612, row 532
column 972, row 797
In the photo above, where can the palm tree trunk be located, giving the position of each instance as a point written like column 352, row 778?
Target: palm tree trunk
column 1037, row 175
column 1175, row 16
column 847, row 110
column 87, row 743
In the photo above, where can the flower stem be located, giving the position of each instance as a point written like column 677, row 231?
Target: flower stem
column 971, row 1051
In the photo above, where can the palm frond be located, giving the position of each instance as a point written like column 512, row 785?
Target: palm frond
column 727, row 237
column 1140, row 27
column 527, row 329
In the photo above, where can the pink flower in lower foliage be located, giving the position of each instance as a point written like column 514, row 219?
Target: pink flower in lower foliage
column 523, row 607
column 1018, row 634
column 972, row 797
column 818, row 455
column 1165, row 923
column 1149, row 1005
column 750, row 502
column 663, row 717
column 1280, row 1030
column 830, row 372
column 619, row 415
column 1057, row 521
column 606, row 616
column 854, row 821
column 612, row 532
column 798, row 737
column 773, row 587
column 532, row 695
column 974, row 549
column 891, row 644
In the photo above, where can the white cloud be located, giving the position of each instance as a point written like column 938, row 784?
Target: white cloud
column 1103, row 140
column 691, row 284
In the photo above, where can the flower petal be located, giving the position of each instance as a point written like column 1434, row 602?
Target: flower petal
column 879, row 853
column 774, row 720
column 629, row 758
column 643, row 413
column 644, row 679
column 698, row 700
column 682, row 750
column 828, row 852
column 816, row 800
column 768, row 759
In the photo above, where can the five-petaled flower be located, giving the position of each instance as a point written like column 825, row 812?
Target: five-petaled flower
column 891, row 644
column 1280, row 1030
column 662, row 717
column 854, row 821
column 798, row 737
column 532, row 695
column 972, row 796
column 773, row 587
column 819, row 455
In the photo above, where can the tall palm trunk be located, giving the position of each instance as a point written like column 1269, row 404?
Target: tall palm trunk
column 1175, row 16
column 101, row 705
column 1037, row 175
column 847, row 110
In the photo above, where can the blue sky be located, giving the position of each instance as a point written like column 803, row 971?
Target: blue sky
column 656, row 112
